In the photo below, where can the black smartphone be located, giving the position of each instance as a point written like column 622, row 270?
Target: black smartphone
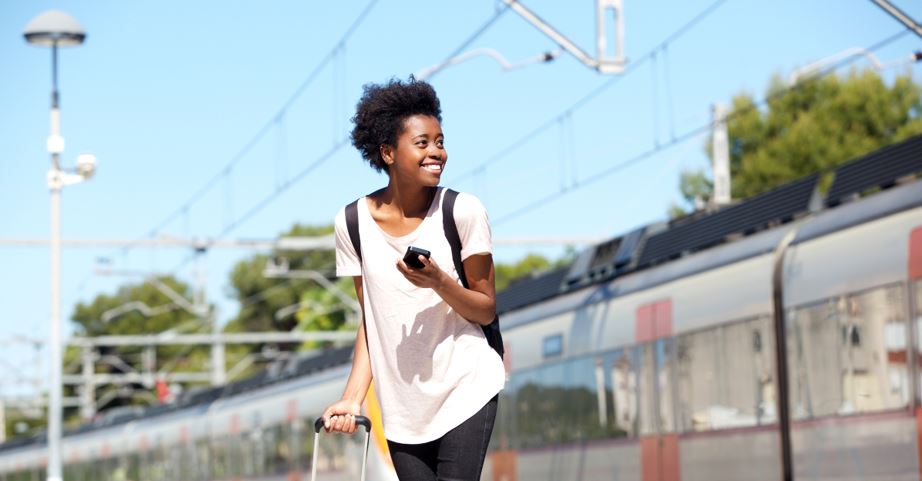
column 411, row 258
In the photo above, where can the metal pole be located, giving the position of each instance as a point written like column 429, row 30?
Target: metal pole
column 55, row 393
column 900, row 16
column 88, row 396
column 54, row 184
column 781, row 357
column 218, row 368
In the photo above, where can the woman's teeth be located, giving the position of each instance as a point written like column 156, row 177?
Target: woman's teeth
column 433, row 167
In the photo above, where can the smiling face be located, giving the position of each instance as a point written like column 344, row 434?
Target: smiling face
column 419, row 156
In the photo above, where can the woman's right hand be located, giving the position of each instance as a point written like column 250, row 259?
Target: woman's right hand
column 340, row 416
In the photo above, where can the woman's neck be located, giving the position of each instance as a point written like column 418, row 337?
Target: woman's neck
column 407, row 201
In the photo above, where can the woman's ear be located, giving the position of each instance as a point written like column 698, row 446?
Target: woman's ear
column 387, row 154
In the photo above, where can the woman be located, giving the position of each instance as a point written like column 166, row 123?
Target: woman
column 421, row 339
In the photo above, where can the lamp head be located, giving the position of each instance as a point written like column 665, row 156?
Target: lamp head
column 86, row 165
column 54, row 28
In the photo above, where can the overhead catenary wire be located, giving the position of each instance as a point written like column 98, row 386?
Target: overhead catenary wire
column 267, row 126
column 691, row 134
column 584, row 100
column 470, row 39
column 668, row 88
column 335, row 148
column 183, row 210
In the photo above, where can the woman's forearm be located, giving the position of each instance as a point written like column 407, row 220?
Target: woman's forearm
column 472, row 305
column 360, row 377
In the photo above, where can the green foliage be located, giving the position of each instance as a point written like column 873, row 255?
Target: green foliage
column 548, row 415
column 113, row 315
column 21, row 423
column 90, row 317
column 321, row 310
column 260, row 297
column 814, row 127
column 531, row 265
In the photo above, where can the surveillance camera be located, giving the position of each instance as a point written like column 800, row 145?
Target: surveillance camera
column 86, row 165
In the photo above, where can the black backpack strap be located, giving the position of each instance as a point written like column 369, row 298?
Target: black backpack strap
column 451, row 232
column 352, row 224
column 490, row 331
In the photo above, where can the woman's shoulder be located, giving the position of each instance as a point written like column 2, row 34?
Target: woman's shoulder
column 467, row 204
column 339, row 221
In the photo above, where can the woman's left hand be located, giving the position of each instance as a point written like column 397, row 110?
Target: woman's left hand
column 430, row 275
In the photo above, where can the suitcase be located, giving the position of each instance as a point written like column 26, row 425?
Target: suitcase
column 359, row 421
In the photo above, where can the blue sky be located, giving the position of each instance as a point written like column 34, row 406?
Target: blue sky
column 167, row 93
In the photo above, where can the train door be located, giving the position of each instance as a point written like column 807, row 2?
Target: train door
column 659, row 441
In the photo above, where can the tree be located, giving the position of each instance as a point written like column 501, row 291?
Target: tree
column 811, row 128
column 136, row 309
column 322, row 310
column 531, row 265
column 261, row 297
column 23, row 422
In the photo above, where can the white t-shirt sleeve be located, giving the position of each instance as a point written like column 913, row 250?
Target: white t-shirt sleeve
column 347, row 261
column 473, row 226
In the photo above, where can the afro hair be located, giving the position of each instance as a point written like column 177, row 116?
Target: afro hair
column 381, row 111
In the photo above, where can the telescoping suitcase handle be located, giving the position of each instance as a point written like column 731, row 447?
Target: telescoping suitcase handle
column 359, row 421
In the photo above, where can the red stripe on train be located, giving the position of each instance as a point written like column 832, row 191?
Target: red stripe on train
column 915, row 253
column 915, row 272
column 660, row 458
column 653, row 321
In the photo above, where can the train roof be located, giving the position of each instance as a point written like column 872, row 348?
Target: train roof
column 664, row 242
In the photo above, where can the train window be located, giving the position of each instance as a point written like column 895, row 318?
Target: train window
column 203, row 459
column 748, row 371
column 133, row 463
column 580, row 399
column 284, row 450
column 725, row 376
column 665, row 376
column 848, row 354
column 657, row 371
column 504, row 428
column 182, row 463
column 621, row 373
column 258, row 450
column 553, row 346
column 247, row 454
column 698, row 379
column 219, row 459
column 268, row 450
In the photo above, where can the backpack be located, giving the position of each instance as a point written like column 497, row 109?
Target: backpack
column 491, row 330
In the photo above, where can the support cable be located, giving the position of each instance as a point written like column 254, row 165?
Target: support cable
column 265, row 128
column 323, row 158
column 686, row 136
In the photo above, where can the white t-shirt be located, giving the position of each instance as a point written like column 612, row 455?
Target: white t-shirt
column 432, row 369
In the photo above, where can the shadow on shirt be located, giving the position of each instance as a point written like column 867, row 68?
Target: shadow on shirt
column 416, row 348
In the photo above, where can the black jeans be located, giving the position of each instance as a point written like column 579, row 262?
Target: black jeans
column 456, row 456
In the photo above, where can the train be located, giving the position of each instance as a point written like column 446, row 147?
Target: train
column 652, row 356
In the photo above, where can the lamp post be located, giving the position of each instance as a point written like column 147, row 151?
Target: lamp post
column 56, row 29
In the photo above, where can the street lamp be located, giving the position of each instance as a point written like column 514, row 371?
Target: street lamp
column 57, row 29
